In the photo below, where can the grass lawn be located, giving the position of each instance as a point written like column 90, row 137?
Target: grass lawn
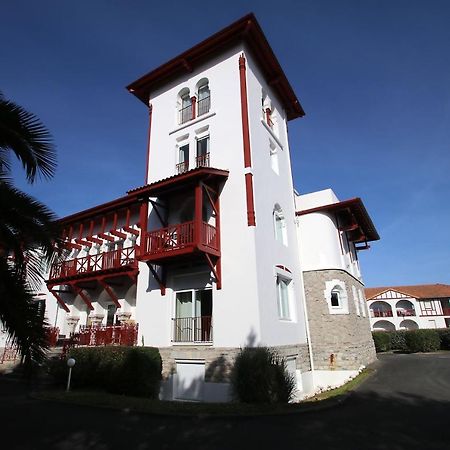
column 143, row 405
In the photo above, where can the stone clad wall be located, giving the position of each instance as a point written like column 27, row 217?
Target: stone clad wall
column 219, row 361
column 339, row 341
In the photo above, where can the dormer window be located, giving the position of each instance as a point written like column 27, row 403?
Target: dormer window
column 204, row 97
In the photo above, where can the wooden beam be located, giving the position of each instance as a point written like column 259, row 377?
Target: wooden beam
column 161, row 281
column 110, row 292
column 83, row 295
column 60, row 301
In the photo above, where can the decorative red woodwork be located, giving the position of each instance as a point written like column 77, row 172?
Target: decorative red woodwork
column 182, row 167
column 52, row 335
column 125, row 334
column 94, row 240
column 143, row 219
column 202, row 160
column 59, row 300
column 77, row 290
column 150, row 113
column 244, row 112
column 193, row 103
column 90, row 264
column 251, row 220
column 160, row 280
column 268, row 117
column 110, row 292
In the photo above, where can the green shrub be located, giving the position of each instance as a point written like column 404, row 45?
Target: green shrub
column 122, row 370
column 422, row 341
column 382, row 341
column 398, row 340
column 259, row 375
column 444, row 335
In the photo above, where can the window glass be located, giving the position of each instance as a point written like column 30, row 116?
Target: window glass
column 110, row 315
column 203, row 146
column 335, row 298
column 283, row 298
column 183, row 304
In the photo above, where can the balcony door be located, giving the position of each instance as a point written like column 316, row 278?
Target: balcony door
column 183, row 158
column 202, row 159
column 193, row 313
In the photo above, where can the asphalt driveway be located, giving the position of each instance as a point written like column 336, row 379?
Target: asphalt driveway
column 405, row 405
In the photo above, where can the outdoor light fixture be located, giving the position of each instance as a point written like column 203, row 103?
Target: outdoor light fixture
column 70, row 364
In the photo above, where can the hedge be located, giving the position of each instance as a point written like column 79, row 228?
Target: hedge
column 120, row 370
column 412, row 341
column 259, row 375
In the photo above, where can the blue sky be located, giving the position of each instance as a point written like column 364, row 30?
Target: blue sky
column 372, row 76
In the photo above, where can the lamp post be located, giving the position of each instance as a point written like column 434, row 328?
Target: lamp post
column 70, row 364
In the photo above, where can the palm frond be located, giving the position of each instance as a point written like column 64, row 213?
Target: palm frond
column 24, row 134
column 19, row 315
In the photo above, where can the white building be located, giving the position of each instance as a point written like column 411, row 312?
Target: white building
column 207, row 256
column 409, row 307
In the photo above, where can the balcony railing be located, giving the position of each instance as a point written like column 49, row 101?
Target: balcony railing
column 405, row 312
column 204, row 105
column 192, row 329
column 93, row 263
column 182, row 167
column 179, row 236
column 380, row 313
column 185, row 114
column 95, row 336
column 202, row 160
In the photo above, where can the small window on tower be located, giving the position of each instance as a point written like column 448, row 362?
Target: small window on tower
column 204, row 97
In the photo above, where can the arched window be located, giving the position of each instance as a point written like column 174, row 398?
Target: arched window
column 279, row 225
column 336, row 297
column 203, row 97
column 184, row 106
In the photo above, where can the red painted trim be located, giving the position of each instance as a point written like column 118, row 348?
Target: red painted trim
column 244, row 112
column 193, row 103
column 150, row 113
column 118, row 234
column 356, row 207
column 219, row 260
column 60, row 301
column 246, row 30
column 110, row 292
column 198, row 213
column 72, row 246
column 161, row 281
column 83, row 242
column 131, row 230
column 251, row 220
column 106, row 237
column 77, row 290
column 143, row 219
column 283, row 268
column 94, row 240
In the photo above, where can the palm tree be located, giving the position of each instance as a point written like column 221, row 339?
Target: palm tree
column 27, row 228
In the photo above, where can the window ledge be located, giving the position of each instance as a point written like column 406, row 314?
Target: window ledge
column 274, row 136
column 193, row 122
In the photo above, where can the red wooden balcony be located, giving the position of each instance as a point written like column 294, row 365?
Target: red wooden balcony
column 192, row 329
column 179, row 239
column 107, row 335
column 115, row 259
column 405, row 312
column 380, row 313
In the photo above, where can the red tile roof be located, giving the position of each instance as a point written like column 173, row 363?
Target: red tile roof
column 419, row 291
column 247, row 30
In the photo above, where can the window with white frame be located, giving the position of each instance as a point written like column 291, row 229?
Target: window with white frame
column 362, row 302
column 184, row 106
column 203, row 97
column 183, row 158
column 202, row 157
column 274, row 157
column 356, row 300
column 336, row 296
column 279, row 223
column 283, row 289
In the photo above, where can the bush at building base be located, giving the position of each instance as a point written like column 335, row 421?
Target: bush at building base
column 412, row 341
column 259, row 375
column 382, row 341
column 120, row 370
